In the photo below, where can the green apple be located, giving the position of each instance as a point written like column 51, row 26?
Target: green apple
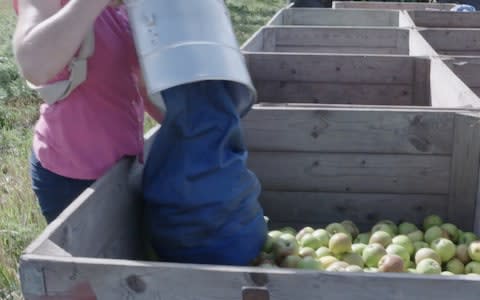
column 452, row 231
column 472, row 267
column 371, row 270
column 307, row 251
column 405, row 242
column 289, row 229
column 467, row 237
column 358, row 248
column 340, row 243
column 447, row 273
column 429, row 266
column 363, row 238
column 474, row 251
column 308, row 240
column 304, row 231
column 391, row 263
column 338, row 266
column 392, row 225
column 445, row 248
column 383, row 227
column 268, row 244
column 323, row 251
column 322, row 235
column 372, row 254
column 353, row 268
column 434, row 233
column 310, row 263
column 462, row 253
column 351, row 228
column 326, row 261
column 268, row 265
column 430, row 221
column 353, row 259
column 406, row 228
column 419, row 245
column 275, row 234
column 399, row 251
column 334, row 228
column 285, row 245
column 291, row 261
column 455, row 266
column 416, row 236
column 412, row 271
column 380, row 237
column 425, row 253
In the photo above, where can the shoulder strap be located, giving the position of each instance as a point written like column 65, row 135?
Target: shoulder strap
column 57, row 91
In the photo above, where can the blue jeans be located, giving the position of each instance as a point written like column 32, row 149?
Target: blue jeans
column 54, row 192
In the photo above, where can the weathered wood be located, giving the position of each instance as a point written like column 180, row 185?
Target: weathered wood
column 421, row 83
column 454, row 42
column 49, row 248
column 447, row 89
column 465, row 171
column 356, row 172
column 393, row 5
column 334, row 40
column 447, row 19
column 336, row 17
column 468, row 70
column 348, row 131
column 108, row 279
column 254, row 43
column 320, row 209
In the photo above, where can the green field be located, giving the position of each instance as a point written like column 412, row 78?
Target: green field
column 20, row 220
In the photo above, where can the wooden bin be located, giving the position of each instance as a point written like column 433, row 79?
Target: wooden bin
column 447, row 19
column 317, row 165
column 350, row 40
column 336, row 17
column 393, row 5
column 453, row 41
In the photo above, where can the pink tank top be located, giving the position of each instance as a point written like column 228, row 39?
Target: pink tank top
column 101, row 121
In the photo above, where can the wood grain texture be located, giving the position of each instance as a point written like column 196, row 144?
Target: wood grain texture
column 446, row 19
column 454, row 42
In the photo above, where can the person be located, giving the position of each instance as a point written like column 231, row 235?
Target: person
column 80, row 137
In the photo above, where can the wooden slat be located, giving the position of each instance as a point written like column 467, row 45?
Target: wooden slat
column 136, row 280
column 254, row 43
column 392, row 5
column 467, row 69
column 421, row 83
column 331, row 68
column 335, row 93
column 344, row 17
column 454, row 41
column 337, row 40
column 347, row 131
column 365, row 210
column 363, row 173
column 446, row 19
column 465, row 170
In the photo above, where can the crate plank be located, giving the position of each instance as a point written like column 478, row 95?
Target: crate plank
column 349, row 131
column 138, row 280
column 393, row 5
column 453, row 42
column 365, row 209
column 335, row 40
column 446, row 19
column 465, row 168
column 363, row 173
column 467, row 69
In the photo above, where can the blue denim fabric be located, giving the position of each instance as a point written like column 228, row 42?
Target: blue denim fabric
column 54, row 192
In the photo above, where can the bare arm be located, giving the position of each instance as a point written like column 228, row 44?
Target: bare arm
column 47, row 36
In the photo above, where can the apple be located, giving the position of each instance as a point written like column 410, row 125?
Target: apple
column 455, row 266
column 392, row 225
column 268, row 244
column 383, row 227
column 351, row 228
column 322, row 235
column 429, row 266
column 445, row 248
column 291, row 261
column 336, row 228
column 353, row 268
column 391, row 263
column 289, row 229
column 340, row 243
column 304, row 231
column 285, row 245
column 275, row 234
column 405, row 242
column 419, row 245
column 307, row 251
column 472, row 267
column 474, row 251
column 371, row 270
column 400, row 251
column 326, row 261
column 430, row 221
column 372, row 254
column 462, row 253
column 358, row 248
column 467, row 237
column 380, row 237
column 434, row 233
column 363, row 238
column 338, row 266
column 406, row 228
column 308, row 240
column 353, row 259
column 310, row 263
column 323, row 251
column 412, row 271
column 425, row 253
column 416, row 236
column 452, row 231
column 447, row 273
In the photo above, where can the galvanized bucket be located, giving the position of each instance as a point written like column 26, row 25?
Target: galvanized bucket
column 184, row 41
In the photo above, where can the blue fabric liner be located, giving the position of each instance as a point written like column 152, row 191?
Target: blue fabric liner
column 201, row 200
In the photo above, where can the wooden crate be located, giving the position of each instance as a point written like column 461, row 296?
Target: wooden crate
column 336, row 17
column 453, row 41
column 393, row 5
column 309, row 39
column 317, row 165
column 447, row 19
column 468, row 70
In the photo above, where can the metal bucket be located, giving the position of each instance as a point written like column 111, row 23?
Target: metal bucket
column 184, row 41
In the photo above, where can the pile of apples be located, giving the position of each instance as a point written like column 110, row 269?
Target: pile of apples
column 435, row 248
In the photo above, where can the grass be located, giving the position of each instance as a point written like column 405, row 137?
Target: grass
column 20, row 218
